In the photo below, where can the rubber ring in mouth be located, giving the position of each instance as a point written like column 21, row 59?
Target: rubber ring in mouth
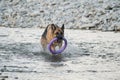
column 57, row 51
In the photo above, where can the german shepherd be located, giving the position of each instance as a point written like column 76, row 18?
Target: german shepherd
column 52, row 31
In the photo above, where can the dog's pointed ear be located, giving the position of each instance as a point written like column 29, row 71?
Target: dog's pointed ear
column 62, row 27
column 53, row 27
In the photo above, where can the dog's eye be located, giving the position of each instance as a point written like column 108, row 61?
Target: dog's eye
column 57, row 33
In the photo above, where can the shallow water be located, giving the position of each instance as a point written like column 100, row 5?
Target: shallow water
column 90, row 55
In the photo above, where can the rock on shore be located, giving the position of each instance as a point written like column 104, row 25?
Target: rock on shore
column 84, row 14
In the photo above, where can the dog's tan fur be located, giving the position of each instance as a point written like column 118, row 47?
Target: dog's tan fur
column 51, row 32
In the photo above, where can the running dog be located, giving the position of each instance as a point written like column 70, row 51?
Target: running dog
column 52, row 31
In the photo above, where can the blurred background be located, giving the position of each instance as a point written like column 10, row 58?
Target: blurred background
column 76, row 14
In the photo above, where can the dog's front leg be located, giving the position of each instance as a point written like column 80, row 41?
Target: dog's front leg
column 60, row 45
column 53, row 48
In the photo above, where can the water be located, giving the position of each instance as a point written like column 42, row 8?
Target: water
column 90, row 55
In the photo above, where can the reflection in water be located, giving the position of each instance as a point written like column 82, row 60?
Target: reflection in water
column 52, row 58
column 56, row 58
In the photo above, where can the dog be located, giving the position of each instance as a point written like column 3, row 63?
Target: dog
column 52, row 31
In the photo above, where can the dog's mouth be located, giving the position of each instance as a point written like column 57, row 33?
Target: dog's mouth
column 59, row 40
column 60, row 37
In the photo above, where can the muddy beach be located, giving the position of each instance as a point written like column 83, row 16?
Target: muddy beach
column 90, row 55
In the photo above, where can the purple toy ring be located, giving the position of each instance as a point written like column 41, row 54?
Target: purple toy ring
column 61, row 49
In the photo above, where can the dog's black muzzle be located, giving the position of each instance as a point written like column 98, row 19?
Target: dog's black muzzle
column 60, row 37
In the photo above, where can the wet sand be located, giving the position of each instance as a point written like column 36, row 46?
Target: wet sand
column 90, row 55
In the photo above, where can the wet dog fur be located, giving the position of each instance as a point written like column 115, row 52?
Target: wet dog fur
column 52, row 31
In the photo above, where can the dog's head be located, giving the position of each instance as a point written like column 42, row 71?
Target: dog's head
column 56, row 31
